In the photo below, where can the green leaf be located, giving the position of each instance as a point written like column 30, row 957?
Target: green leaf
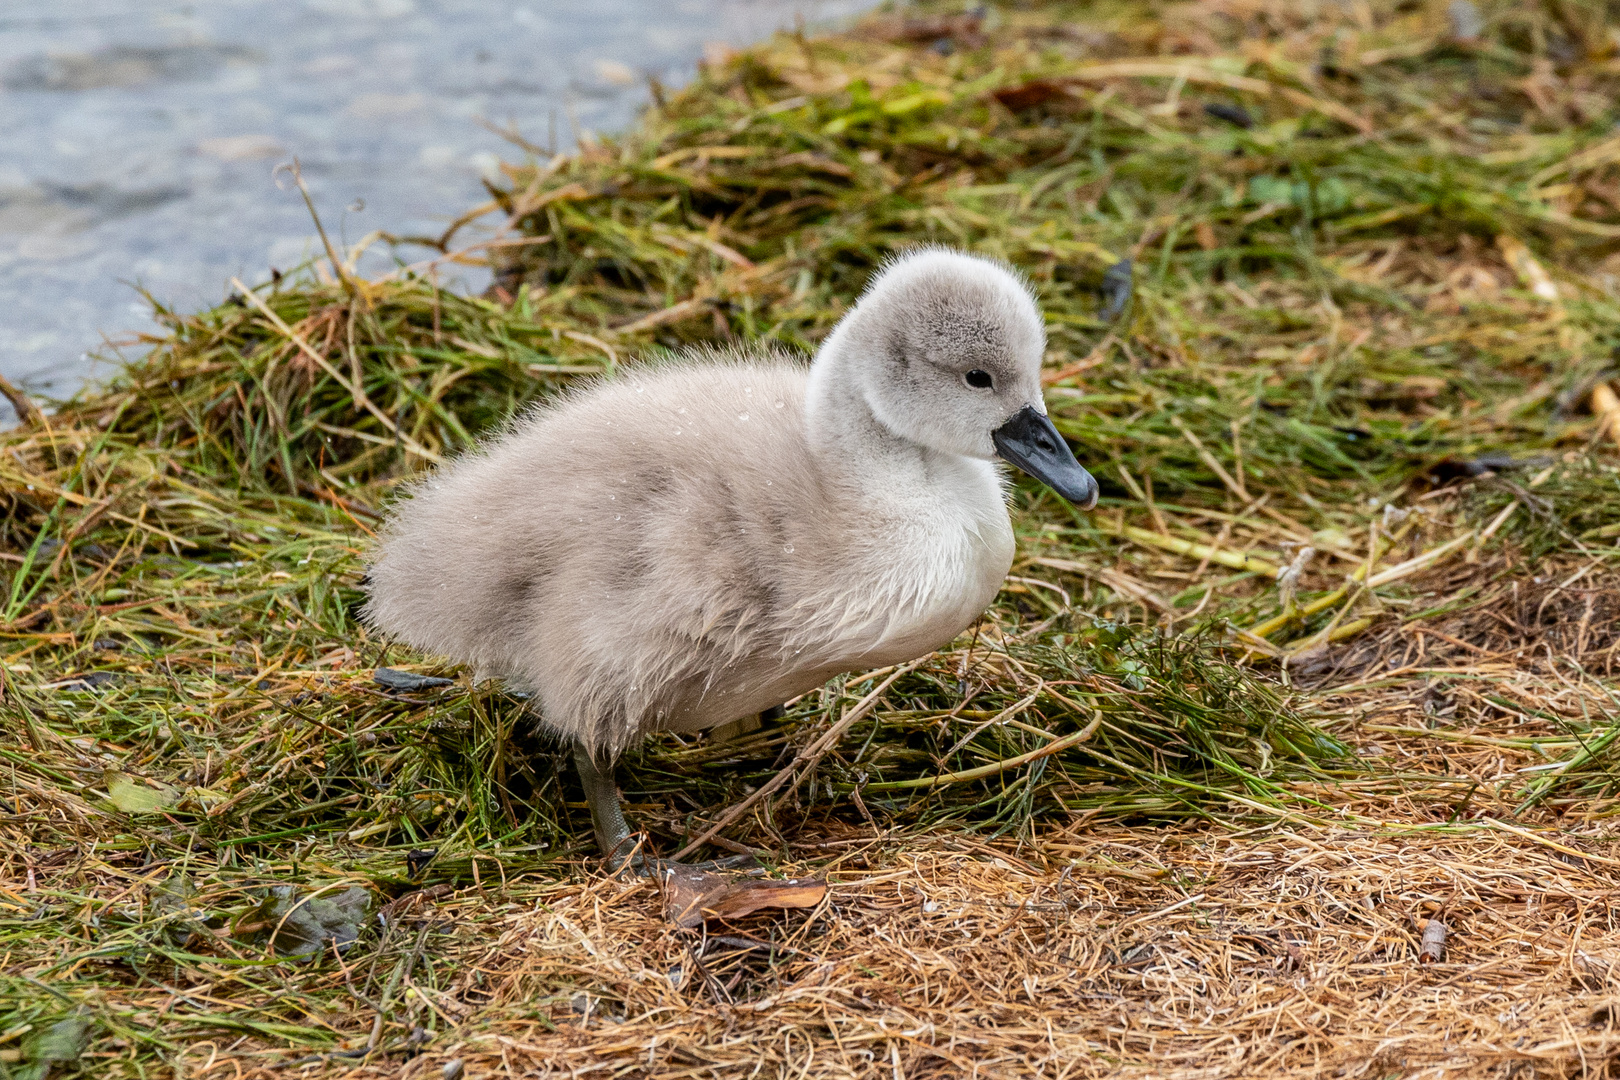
column 301, row 927
column 61, row 1042
column 134, row 797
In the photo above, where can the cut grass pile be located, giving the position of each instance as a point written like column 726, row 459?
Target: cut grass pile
column 1333, row 302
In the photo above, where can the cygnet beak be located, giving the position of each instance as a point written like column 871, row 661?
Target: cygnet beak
column 1030, row 442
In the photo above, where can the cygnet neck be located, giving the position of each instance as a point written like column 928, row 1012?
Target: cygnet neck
column 846, row 434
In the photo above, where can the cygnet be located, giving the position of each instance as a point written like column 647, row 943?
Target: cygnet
column 692, row 543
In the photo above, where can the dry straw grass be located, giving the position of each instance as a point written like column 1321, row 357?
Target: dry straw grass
column 1191, row 801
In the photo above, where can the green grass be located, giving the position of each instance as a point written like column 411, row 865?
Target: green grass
column 1322, row 322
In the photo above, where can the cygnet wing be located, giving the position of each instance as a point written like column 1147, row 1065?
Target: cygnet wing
column 620, row 551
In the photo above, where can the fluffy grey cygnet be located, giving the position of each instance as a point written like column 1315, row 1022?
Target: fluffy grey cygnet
column 692, row 543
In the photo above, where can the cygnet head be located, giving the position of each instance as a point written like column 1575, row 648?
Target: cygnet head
column 945, row 349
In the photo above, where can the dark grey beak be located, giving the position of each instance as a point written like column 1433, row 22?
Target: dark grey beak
column 1030, row 442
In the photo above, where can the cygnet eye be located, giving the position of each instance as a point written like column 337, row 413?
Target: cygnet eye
column 979, row 380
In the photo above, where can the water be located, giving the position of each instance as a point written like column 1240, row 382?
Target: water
column 138, row 137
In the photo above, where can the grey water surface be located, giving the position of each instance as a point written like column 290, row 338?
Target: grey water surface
column 138, row 138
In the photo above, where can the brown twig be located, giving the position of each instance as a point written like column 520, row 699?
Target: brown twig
column 27, row 412
column 803, row 762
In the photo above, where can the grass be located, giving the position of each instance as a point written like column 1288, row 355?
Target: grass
column 1372, row 288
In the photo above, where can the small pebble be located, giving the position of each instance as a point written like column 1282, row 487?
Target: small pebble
column 1466, row 22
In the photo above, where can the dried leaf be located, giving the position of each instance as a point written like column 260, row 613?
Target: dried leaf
column 693, row 896
column 1433, row 945
column 1030, row 94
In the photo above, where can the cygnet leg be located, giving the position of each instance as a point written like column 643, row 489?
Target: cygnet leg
column 613, row 832
column 607, row 816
